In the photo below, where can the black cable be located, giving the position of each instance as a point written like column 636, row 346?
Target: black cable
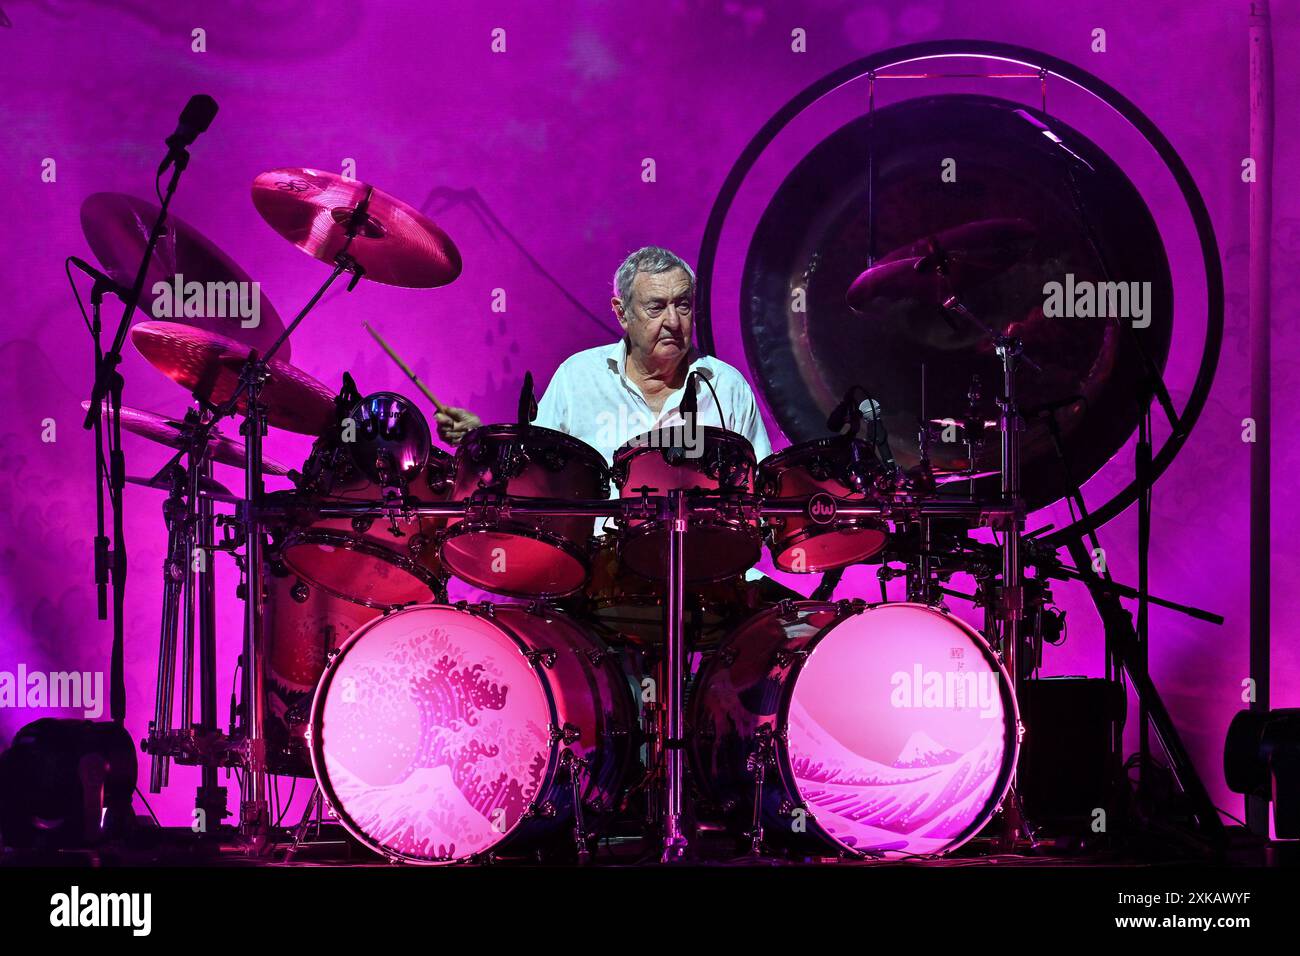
column 705, row 380
column 85, row 319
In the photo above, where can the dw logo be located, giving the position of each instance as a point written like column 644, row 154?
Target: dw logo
column 821, row 508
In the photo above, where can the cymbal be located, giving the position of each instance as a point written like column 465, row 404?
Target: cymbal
column 208, row 366
column 173, row 434
column 209, row 487
column 117, row 227
column 946, row 263
column 395, row 243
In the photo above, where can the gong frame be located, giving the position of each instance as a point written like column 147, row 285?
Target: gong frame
column 870, row 66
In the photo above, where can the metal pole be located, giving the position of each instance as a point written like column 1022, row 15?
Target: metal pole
column 1011, row 601
column 1261, row 234
column 674, row 665
column 254, row 816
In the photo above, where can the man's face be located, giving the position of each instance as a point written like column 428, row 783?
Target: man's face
column 657, row 316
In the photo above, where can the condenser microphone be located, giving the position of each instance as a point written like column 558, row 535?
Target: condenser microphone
column 103, row 281
column 871, row 413
column 527, row 401
column 690, row 400
column 195, row 119
column 846, row 412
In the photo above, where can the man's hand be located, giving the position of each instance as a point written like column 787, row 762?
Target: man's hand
column 455, row 423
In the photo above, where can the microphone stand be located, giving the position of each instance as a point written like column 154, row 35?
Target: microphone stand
column 108, row 386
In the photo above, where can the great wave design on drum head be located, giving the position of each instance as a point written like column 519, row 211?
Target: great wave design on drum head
column 897, row 731
column 432, row 734
column 892, row 728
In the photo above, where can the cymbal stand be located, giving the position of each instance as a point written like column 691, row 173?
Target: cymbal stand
column 1010, row 598
column 254, row 817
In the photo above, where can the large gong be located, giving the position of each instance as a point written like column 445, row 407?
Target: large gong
column 878, row 184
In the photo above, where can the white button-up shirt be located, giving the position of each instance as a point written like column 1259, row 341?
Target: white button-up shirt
column 591, row 398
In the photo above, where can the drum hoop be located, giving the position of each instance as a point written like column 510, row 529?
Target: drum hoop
column 780, row 543
column 517, row 433
column 361, row 545
column 547, row 780
column 786, row 458
column 558, row 541
column 1003, row 784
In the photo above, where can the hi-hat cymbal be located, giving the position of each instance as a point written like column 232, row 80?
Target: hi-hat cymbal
column 949, row 262
column 208, row 366
column 394, row 242
column 117, row 227
column 174, row 434
column 208, row 487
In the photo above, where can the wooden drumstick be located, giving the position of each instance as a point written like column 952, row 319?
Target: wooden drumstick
column 404, row 367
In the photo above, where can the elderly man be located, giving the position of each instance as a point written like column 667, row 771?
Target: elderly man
column 607, row 395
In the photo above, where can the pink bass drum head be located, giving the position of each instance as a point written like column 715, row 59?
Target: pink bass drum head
column 900, row 735
column 429, row 734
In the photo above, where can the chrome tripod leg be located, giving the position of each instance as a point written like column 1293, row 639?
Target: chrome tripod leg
column 315, row 809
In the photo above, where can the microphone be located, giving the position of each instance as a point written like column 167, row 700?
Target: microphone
column 101, row 280
column 527, row 401
column 690, row 401
column 195, row 119
column 871, row 412
column 846, row 411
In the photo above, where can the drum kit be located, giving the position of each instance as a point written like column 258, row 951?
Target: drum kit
column 631, row 679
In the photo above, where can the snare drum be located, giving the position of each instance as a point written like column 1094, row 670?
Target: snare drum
column 442, row 734
column 839, row 466
column 717, row 461
column 524, row 556
column 886, row 730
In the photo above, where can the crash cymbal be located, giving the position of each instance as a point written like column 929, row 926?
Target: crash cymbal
column 173, row 433
column 208, row 366
column 209, row 487
column 394, row 243
column 117, row 227
column 949, row 262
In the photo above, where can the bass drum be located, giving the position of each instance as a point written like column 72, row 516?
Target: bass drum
column 442, row 734
column 887, row 730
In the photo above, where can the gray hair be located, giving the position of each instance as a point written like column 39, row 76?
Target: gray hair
column 651, row 259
